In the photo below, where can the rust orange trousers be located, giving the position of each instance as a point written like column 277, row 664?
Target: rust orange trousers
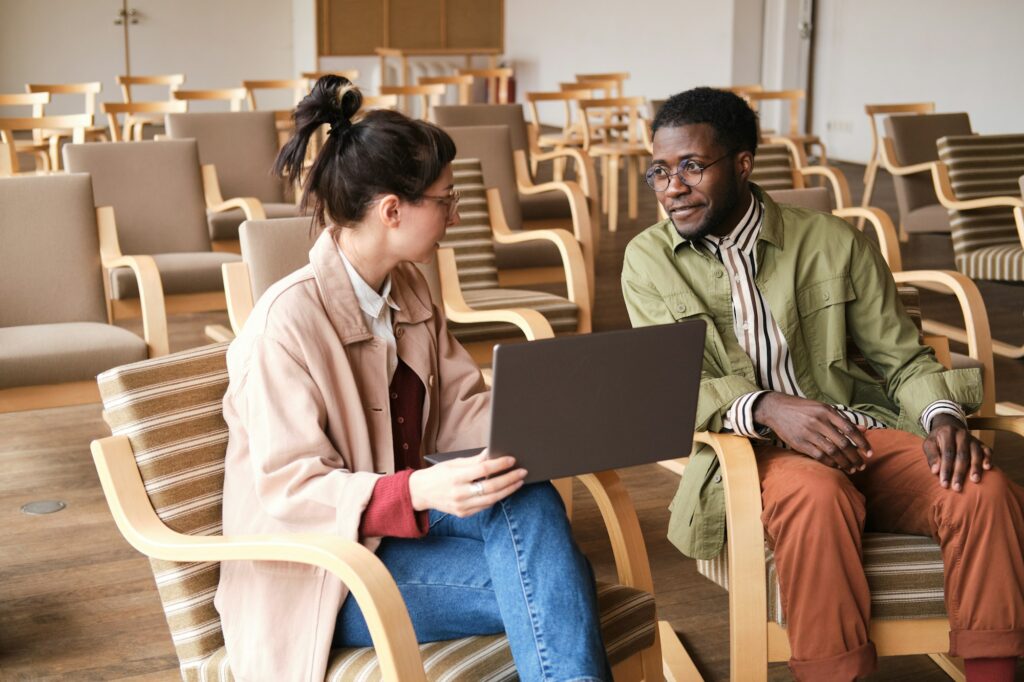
column 814, row 517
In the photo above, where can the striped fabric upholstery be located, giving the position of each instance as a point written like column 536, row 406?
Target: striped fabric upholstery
column 904, row 571
column 478, row 274
column 986, row 244
column 904, row 574
column 773, row 168
column 627, row 626
column 169, row 408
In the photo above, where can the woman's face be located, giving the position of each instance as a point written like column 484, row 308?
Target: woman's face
column 425, row 222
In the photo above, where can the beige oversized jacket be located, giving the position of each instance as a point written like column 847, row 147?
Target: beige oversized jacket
column 309, row 434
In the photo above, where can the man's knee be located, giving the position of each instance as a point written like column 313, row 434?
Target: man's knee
column 817, row 493
column 994, row 495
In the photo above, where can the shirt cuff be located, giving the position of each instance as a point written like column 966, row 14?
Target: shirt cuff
column 941, row 407
column 739, row 418
column 389, row 512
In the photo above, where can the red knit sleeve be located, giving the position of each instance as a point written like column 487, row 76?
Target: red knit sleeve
column 389, row 512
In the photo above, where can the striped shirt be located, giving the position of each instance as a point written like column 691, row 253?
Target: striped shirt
column 761, row 338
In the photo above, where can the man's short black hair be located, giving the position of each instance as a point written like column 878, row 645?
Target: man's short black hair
column 729, row 115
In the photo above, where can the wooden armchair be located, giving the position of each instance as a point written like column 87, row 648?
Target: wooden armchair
column 535, row 262
column 137, row 115
column 42, row 142
column 428, row 96
column 462, row 85
column 156, row 190
column 618, row 78
column 778, row 165
column 54, row 333
column 234, row 96
column 88, row 91
column 793, row 98
column 496, row 80
column 745, row 567
column 631, row 147
column 150, row 405
column 171, row 81
column 874, row 113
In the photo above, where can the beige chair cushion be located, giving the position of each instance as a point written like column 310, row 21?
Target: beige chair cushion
column 545, row 206
column 986, row 244
column 816, row 198
column 561, row 313
column 40, row 354
column 511, row 115
column 170, row 410
column 913, row 137
column 274, row 249
column 225, row 225
column 242, row 145
column 931, row 218
column 180, row 273
column 49, row 251
column 533, row 254
column 155, row 188
column 904, row 574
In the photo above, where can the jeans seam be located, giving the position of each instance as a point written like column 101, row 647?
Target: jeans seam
column 524, row 583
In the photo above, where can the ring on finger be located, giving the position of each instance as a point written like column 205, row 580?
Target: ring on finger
column 478, row 488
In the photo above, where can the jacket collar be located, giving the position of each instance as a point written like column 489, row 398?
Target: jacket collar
column 342, row 304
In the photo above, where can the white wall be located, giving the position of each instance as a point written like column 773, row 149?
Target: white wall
column 215, row 44
column 962, row 56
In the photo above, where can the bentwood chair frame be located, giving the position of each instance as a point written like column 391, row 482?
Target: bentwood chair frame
column 462, row 85
column 428, row 97
column 794, row 98
column 88, row 91
column 618, row 78
column 171, row 81
column 76, row 123
column 564, row 146
column 802, row 171
column 877, row 156
column 132, row 127
column 235, row 96
column 496, row 79
column 37, row 146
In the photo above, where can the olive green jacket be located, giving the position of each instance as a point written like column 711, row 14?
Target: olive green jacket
column 821, row 279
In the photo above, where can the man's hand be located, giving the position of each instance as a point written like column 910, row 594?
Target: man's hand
column 952, row 451
column 814, row 429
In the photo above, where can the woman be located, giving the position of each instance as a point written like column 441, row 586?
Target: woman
column 344, row 375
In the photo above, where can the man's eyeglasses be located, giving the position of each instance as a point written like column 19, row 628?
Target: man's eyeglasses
column 689, row 172
column 450, row 201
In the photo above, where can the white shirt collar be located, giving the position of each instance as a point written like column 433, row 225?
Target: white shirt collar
column 370, row 302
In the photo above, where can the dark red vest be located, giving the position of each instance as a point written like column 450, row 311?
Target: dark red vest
column 407, row 395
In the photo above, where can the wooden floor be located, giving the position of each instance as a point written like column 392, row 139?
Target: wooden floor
column 76, row 602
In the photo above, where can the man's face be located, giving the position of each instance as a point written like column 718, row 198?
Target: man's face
column 713, row 206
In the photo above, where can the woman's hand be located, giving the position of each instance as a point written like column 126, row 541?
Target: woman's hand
column 449, row 486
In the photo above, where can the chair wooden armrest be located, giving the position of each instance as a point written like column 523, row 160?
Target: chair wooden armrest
column 947, row 197
column 1012, row 424
column 215, row 202
column 885, row 232
column 887, row 153
column 218, row 333
column 358, row 568
column 586, row 174
column 533, row 324
column 748, row 594
column 620, row 520
column 238, row 292
column 147, row 277
column 840, row 188
column 577, row 280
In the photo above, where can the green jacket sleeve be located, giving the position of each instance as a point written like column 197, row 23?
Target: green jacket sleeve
column 890, row 341
column 646, row 306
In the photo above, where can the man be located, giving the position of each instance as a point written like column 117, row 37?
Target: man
column 780, row 288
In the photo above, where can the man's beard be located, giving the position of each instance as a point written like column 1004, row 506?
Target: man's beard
column 717, row 213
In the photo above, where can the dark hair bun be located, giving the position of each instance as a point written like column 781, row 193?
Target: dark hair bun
column 334, row 100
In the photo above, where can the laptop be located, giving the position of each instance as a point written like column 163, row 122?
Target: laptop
column 581, row 404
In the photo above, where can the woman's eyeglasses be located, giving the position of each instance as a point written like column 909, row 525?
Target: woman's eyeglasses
column 450, row 201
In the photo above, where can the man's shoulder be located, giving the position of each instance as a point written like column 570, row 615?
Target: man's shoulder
column 656, row 240
column 807, row 224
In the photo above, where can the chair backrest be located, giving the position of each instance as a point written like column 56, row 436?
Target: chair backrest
column 428, row 97
column 156, row 190
column 496, row 80
column 314, row 76
column 492, row 146
column 791, row 97
column 471, row 239
column 462, row 84
column 570, row 107
column 510, row 115
column 618, row 77
column 816, row 198
column 87, row 90
column 172, row 81
column 9, row 163
column 242, row 145
column 123, row 131
column 273, row 249
column 913, row 139
column 774, row 168
column 170, row 410
column 624, row 110
column 234, row 96
column 49, row 251
column 983, row 166
column 298, row 86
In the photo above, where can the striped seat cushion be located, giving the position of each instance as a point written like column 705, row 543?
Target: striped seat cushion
column 986, row 244
column 170, row 410
column 904, row 574
column 562, row 313
column 627, row 625
column 773, row 168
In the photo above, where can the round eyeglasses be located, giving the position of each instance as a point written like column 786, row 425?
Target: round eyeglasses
column 450, row 201
column 689, row 172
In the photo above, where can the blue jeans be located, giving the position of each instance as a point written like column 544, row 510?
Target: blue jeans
column 512, row 568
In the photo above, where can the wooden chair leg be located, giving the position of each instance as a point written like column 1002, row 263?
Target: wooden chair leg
column 558, row 169
column 613, row 193
column 631, row 190
column 870, row 173
column 954, row 667
column 604, row 184
column 677, row 666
